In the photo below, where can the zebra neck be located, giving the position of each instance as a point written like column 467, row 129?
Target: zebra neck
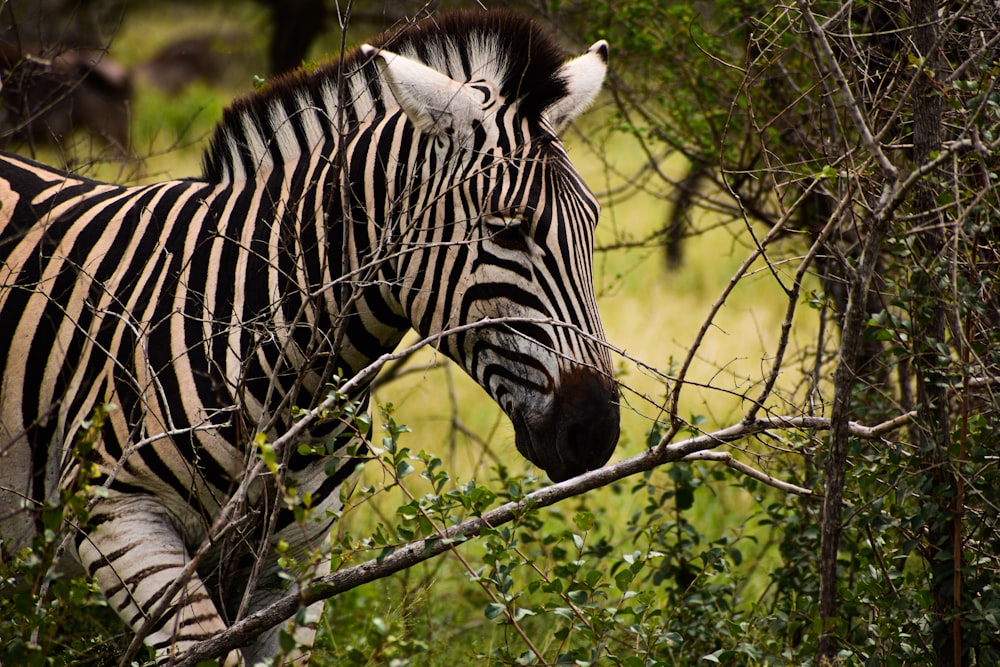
column 331, row 292
column 335, row 200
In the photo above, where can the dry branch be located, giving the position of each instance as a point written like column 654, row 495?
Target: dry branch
column 418, row 551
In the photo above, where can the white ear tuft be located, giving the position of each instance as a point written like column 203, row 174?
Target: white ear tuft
column 433, row 101
column 584, row 76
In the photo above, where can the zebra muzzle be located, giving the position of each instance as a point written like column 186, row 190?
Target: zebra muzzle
column 576, row 430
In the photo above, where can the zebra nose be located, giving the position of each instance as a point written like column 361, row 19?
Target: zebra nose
column 580, row 430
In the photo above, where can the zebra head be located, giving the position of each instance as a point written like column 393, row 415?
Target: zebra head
column 504, row 220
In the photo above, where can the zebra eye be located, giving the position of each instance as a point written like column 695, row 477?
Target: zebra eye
column 508, row 233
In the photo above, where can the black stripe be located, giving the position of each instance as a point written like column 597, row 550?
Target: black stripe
column 108, row 559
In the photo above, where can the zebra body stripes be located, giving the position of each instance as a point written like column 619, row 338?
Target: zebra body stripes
column 419, row 183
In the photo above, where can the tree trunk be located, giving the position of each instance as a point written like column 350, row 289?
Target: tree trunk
column 932, row 427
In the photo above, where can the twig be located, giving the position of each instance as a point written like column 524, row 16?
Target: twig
column 749, row 471
column 412, row 553
column 851, row 104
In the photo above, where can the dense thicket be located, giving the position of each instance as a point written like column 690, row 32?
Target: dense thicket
column 867, row 133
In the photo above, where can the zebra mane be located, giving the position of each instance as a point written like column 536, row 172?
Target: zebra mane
column 300, row 109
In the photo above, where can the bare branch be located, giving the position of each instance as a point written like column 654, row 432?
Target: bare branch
column 727, row 458
column 415, row 552
column 851, row 104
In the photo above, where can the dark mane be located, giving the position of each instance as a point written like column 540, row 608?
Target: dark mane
column 527, row 71
column 533, row 57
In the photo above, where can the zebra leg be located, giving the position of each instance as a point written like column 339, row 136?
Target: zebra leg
column 135, row 553
column 302, row 627
column 305, row 543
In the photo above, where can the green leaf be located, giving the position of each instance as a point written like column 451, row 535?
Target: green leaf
column 363, row 422
column 523, row 613
column 494, row 610
column 482, row 498
column 287, row 641
column 403, row 468
column 685, row 498
column 584, row 521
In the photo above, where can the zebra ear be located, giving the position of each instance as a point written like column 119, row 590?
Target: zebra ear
column 584, row 76
column 433, row 101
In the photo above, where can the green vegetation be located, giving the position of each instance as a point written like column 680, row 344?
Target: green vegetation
column 694, row 562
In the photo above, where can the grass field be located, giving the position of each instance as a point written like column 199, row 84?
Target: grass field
column 432, row 614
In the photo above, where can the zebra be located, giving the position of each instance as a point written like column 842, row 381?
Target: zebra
column 417, row 183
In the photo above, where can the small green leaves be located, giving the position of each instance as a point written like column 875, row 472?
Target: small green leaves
column 494, row 610
column 266, row 452
column 828, row 172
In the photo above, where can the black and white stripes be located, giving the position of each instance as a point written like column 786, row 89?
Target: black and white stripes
column 418, row 183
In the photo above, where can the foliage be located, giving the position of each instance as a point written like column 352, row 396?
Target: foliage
column 564, row 586
column 868, row 131
column 51, row 617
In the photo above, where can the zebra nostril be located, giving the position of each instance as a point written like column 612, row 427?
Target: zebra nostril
column 589, row 439
column 577, row 431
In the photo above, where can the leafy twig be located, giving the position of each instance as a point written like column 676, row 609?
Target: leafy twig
column 412, row 553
